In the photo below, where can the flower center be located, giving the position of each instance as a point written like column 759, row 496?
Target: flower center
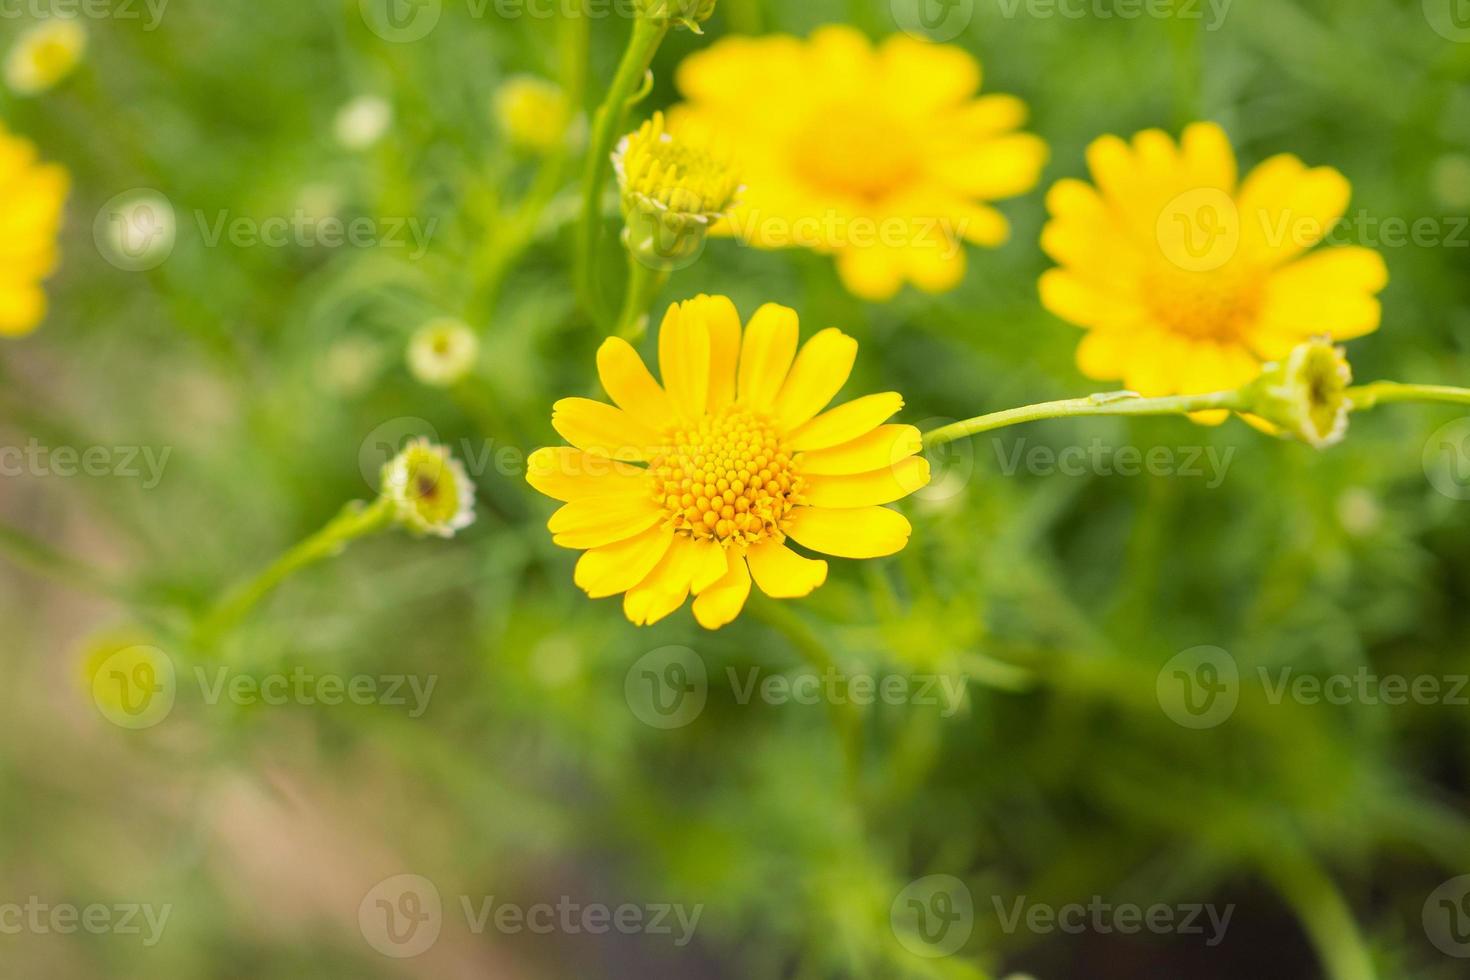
column 727, row 477
column 852, row 150
column 1216, row 305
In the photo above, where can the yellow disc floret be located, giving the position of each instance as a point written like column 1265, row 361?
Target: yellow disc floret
column 672, row 174
column 728, row 477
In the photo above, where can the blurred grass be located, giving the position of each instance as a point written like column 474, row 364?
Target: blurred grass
column 529, row 776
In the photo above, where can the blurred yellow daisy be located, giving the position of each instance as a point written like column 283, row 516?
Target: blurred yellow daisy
column 32, row 195
column 883, row 157
column 1188, row 280
column 44, row 55
column 697, row 485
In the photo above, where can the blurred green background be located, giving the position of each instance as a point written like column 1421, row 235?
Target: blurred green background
column 274, row 376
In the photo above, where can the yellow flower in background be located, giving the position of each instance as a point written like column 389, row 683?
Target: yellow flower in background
column 696, row 485
column 534, row 114
column 1189, row 280
column 32, row 195
column 44, row 55
column 881, row 156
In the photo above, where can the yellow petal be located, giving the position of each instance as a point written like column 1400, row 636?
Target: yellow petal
column 618, row 567
column 1330, row 293
column 566, row 474
column 721, row 602
column 882, row 486
column 884, row 446
column 683, row 361
column 864, row 532
column 766, row 355
column 872, row 272
column 922, row 78
column 711, row 562
column 596, row 521
column 1285, row 208
column 598, row 428
column 820, row 371
column 1086, row 303
column 665, row 588
column 846, row 422
column 935, row 268
column 1209, row 159
column 627, row 381
column 783, row 574
column 995, row 168
column 21, row 309
column 722, row 321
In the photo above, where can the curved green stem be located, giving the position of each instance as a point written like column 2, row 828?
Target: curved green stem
column 1325, row 915
column 356, row 520
column 1113, row 403
column 1384, row 392
column 644, row 285
column 648, row 34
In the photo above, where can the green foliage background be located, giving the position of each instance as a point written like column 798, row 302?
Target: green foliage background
column 1058, row 598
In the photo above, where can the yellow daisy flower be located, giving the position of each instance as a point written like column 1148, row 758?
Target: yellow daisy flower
column 695, row 486
column 882, row 157
column 1188, row 280
column 32, row 196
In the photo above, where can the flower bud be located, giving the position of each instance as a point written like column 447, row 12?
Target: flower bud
column 44, row 55
column 673, row 191
column 690, row 13
column 1305, row 396
column 442, row 352
column 429, row 491
column 534, row 114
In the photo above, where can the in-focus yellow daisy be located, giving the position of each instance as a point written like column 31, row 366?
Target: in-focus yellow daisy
column 883, row 157
column 32, row 196
column 44, row 55
column 1189, row 280
column 700, row 484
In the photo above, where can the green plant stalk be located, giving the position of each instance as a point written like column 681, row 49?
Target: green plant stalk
column 1386, row 392
column 644, row 285
column 356, row 520
column 1117, row 403
column 608, row 122
column 1325, row 915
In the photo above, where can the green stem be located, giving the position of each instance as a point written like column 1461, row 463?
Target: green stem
column 1384, row 392
column 1325, row 914
column 644, row 285
column 356, row 520
column 607, row 123
column 1115, row 403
